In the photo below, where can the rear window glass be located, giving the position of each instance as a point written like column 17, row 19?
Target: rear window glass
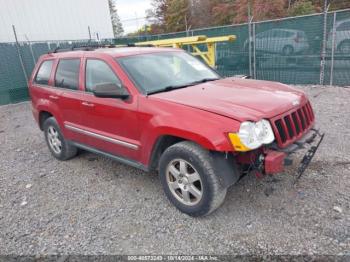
column 344, row 26
column 67, row 74
column 43, row 75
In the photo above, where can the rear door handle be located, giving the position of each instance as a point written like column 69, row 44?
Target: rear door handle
column 87, row 104
column 53, row 97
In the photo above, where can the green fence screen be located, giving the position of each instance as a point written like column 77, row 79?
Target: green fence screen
column 287, row 50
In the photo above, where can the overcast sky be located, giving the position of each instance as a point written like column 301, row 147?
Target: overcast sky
column 129, row 10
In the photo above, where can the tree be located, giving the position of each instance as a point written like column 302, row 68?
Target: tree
column 223, row 12
column 156, row 16
column 178, row 16
column 116, row 23
column 260, row 10
column 301, row 8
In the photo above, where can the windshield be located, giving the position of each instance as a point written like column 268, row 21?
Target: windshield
column 165, row 71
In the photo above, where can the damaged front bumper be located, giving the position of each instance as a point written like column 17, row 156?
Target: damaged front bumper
column 310, row 142
column 273, row 160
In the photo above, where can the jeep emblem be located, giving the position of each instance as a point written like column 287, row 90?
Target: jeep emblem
column 295, row 103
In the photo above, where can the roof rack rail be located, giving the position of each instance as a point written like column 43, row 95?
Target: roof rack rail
column 94, row 47
column 135, row 45
column 80, row 47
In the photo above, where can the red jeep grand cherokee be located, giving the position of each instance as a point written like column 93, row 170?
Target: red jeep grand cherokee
column 162, row 109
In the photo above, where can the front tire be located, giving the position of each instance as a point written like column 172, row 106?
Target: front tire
column 56, row 142
column 188, row 179
column 287, row 50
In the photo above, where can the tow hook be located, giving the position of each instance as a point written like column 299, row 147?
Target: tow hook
column 258, row 166
column 288, row 162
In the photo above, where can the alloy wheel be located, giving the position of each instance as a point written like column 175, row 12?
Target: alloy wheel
column 54, row 140
column 184, row 182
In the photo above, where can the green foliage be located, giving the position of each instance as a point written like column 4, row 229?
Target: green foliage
column 178, row 15
column 302, row 8
column 222, row 12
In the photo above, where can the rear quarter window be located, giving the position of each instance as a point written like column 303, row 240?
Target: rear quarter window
column 43, row 75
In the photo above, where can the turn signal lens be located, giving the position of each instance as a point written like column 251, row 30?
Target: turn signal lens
column 237, row 143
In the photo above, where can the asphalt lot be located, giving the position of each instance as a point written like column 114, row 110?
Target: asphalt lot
column 92, row 205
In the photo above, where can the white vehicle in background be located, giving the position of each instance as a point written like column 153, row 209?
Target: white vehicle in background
column 342, row 37
column 283, row 41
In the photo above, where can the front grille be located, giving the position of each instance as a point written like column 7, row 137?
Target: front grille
column 291, row 126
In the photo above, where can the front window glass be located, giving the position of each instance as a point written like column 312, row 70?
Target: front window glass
column 98, row 73
column 161, row 71
column 344, row 26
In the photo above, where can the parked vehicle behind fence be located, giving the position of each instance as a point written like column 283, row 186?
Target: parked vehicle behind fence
column 281, row 41
column 341, row 37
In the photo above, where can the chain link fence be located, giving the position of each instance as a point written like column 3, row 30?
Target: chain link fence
column 312, row 49
column 18, row 61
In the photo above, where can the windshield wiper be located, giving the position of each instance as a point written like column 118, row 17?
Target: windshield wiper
column 205, row 80
column 173, row 87
column 168, row 88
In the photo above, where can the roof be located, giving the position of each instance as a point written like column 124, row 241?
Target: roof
column 115, row 51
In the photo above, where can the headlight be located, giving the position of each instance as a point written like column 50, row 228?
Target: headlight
column 252, row 135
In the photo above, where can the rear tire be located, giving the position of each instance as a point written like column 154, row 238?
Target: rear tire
column 56, row 142
column 188, row 179
column 287, row 50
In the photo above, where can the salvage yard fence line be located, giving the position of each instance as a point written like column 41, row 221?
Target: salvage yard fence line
column 309, row 49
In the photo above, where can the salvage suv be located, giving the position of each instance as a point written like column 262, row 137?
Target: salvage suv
column 161, row 109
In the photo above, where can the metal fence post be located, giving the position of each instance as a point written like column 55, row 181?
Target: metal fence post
column 333, row 46
column 250, row 46
column 31, row 49
column 254, row 54
column 19, row 54
column 32, row 53
column 323, row 52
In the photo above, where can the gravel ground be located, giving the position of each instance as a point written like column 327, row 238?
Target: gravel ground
column 92, row 205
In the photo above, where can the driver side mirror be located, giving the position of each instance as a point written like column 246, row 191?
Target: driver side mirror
column 110, row 90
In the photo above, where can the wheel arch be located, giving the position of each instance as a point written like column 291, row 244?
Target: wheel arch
column 43, row 115
column 165, row 137
column 341, row 43
column 163, row 141
column 161, row 144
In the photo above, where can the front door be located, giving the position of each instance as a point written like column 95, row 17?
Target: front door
column 110, row 123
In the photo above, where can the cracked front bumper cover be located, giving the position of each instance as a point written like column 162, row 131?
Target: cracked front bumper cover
column 306, row 160
column 276, row 158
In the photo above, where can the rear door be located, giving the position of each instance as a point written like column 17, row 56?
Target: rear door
column 67, row 81
column 41, row 90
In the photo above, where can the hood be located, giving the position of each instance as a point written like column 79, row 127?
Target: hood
column 240, row 99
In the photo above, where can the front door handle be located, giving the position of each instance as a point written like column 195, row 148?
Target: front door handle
column 53, row 97
column 87, row 104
